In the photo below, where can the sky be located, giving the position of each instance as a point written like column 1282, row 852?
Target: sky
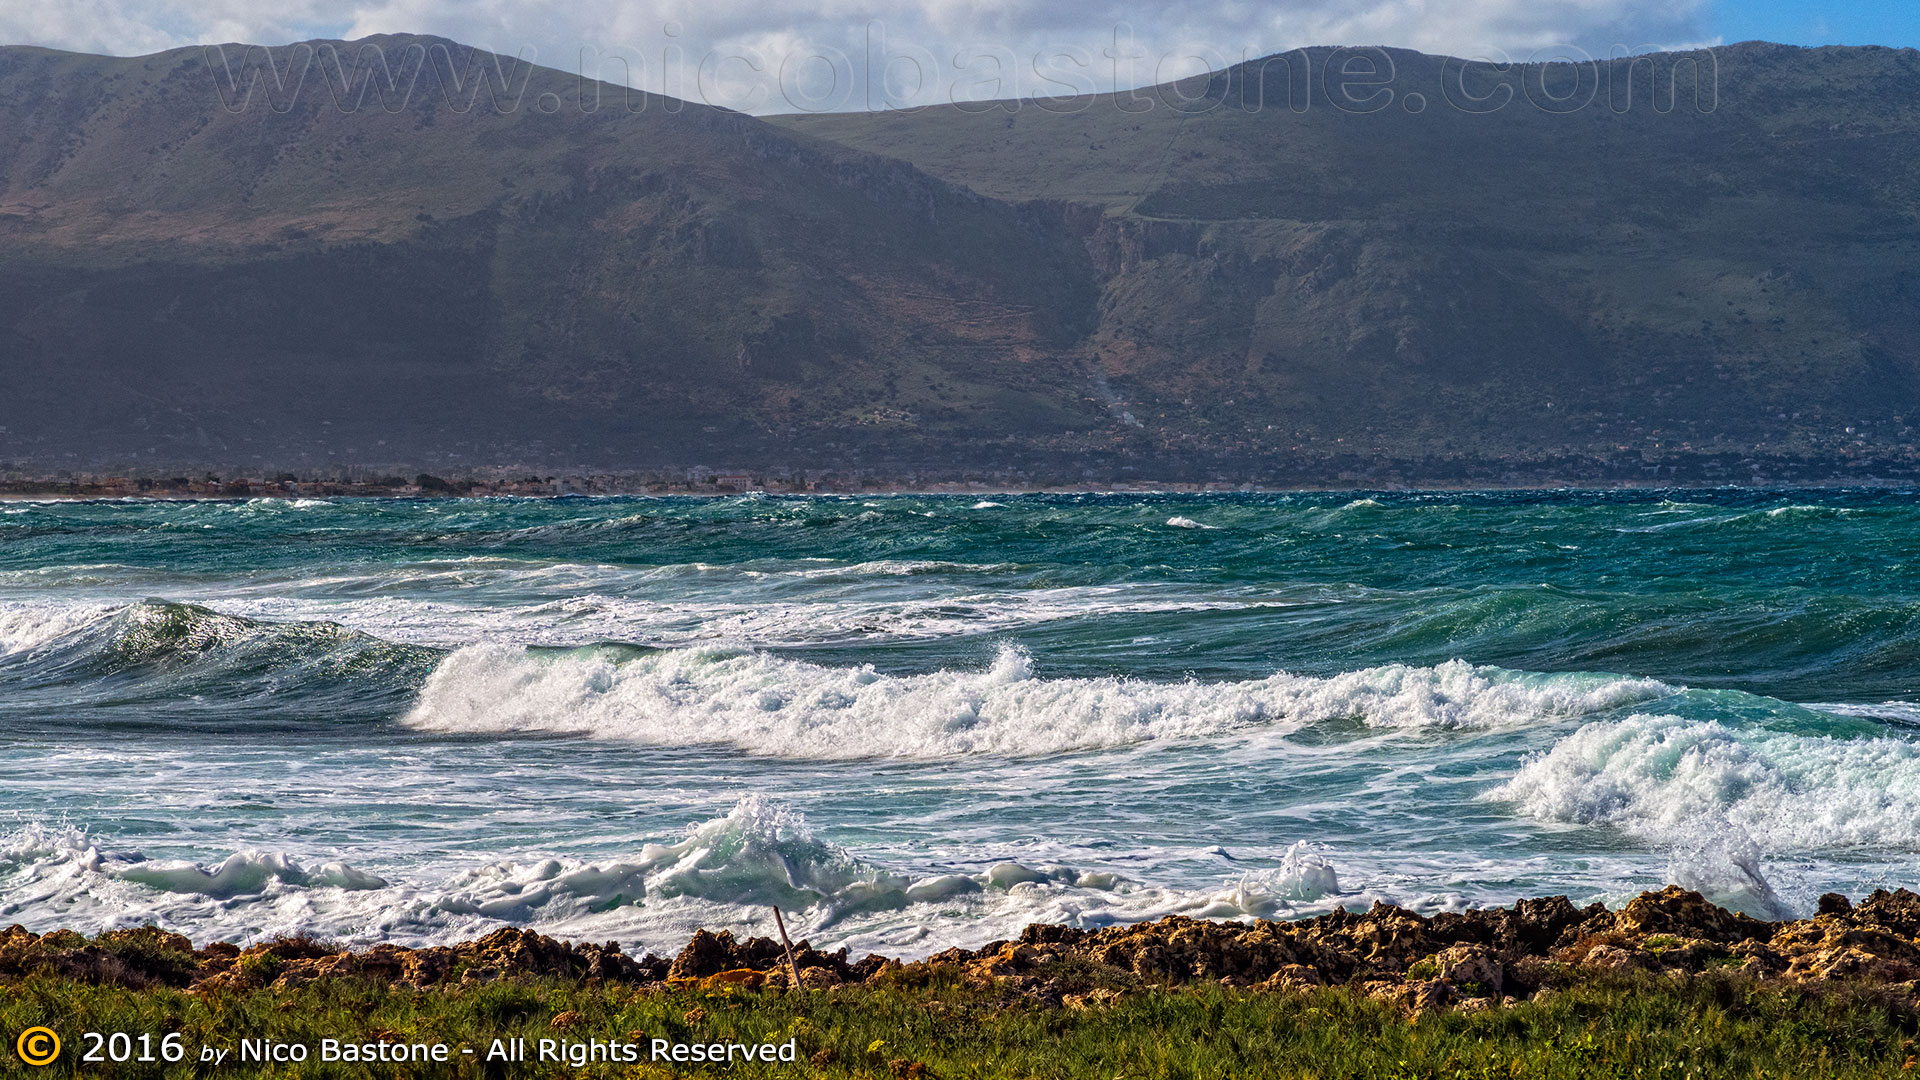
column 1853, row 22
column 817, row 55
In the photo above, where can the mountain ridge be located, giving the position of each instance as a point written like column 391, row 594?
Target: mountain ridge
column 1238, row 291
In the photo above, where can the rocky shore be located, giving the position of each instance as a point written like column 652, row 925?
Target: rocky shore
column 1472, row 960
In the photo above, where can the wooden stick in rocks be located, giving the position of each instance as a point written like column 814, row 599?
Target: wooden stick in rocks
column 793, row 966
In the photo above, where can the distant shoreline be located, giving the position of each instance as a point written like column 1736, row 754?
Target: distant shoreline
column 1019, row 476
column 61, row 491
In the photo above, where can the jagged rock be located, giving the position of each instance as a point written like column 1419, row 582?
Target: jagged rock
column 1051, row 934
column 1012, row 958
column 811, row 978
column 1528, row 975
column 1615, row 958
column 709, row 954
column 1528, row 927
column 706, row 954
column 141, row 957
column 1386, row 936
column 1293, row 977
column 1758, row 958
column 1678, row 912
column 1422, row 963
column 1470, row 965
column 1852, row 962
column 1836, row 947
column 1898, row 911
column 820, row 978
column 1417, row 997
column 1684, row 954
column 872, row 964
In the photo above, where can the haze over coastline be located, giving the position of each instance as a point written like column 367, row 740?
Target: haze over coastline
column 426, row 259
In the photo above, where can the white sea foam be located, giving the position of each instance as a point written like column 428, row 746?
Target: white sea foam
column 60, row 876
column 1722, row 797
column 759, row 853
column 243, row 873
column 590, row 617
column 1724, row 863
column 1304, row 876
column 725, row 872
column 1788, row 792
column 1178, row 522
column 1898, row 712
column 777, row 707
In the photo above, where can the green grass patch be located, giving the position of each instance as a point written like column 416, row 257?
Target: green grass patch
column 1627, row 1027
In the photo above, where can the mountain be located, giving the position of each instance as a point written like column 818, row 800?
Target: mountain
column 403, row 250
column 1327, row 265
column 1598, row 266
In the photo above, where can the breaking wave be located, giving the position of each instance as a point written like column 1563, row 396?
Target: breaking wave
column 1724, row 797
column 160, row 650
column 1788, row 791
column 778, row 707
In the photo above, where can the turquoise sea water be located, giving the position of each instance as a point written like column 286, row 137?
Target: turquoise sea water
column 922, row 721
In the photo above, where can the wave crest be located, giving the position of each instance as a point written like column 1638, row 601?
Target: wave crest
column 162, row 650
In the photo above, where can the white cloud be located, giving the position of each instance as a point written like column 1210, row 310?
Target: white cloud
column 828, row 48
column 102, row 26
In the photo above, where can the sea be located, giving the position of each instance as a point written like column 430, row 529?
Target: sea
column 913, row 722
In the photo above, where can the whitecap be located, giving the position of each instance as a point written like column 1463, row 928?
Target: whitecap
column 26, row 627
column 776, row 707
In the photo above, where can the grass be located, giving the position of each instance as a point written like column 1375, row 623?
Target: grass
column 941, row 1027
